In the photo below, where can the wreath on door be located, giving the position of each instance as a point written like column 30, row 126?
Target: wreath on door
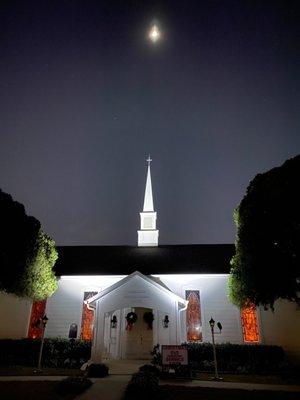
column 131, row 319
column 149, row 318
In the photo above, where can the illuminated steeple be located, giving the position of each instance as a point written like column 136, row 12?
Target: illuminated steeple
column 148, row 234
column 148, row 199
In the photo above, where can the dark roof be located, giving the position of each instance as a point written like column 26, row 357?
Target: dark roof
column 123, row 260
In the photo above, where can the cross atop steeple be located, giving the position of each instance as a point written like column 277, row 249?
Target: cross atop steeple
column 149, row 159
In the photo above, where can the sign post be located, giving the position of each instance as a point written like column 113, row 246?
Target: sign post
column 174, row 355
column 175, row 359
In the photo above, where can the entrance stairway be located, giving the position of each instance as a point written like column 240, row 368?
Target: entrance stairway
column 124, row 367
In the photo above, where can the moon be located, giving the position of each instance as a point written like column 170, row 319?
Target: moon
column 154, row 34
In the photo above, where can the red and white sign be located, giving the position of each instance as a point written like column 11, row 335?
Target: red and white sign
column 174, row 355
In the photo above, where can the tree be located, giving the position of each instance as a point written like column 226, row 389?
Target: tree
column 27, row 254
column 266, row 265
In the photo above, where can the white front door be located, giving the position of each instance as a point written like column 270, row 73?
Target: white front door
column 138, row 341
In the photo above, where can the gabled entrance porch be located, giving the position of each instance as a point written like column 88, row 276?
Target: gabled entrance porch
column 138, row 294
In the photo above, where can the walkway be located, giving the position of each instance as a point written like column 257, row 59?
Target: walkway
column 110, row 388
column 23, row 378
column 233, row 385
column 124, row 367
column 113, row 387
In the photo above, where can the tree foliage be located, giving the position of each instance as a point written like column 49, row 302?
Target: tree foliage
column 266, row 266
column 27, row 254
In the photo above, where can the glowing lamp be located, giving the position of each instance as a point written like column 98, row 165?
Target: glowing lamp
column 212, row 323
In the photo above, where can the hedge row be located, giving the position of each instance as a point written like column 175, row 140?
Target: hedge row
column 232, row 357
column 73, row 353
column 237, row 357
column 60, row 353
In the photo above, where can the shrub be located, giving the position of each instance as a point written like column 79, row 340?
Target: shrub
column 156, row 355
column 73, row 385
column 250, row 358
column 58, row 353
column 150, row 368
column 97, row 370
column 142, row 385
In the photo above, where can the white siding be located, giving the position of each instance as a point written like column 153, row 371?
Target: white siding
column 214, row 303
column 14, row 316
column 282, row 327
column 64, row 307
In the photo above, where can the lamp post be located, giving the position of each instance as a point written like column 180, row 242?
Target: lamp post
column 212, row 327
column 44, row 321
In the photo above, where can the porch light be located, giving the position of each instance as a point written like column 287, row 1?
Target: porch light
column 166, row 321
column 113, row 322
column 45, row 319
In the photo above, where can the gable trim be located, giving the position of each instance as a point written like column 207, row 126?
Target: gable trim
column 123, row 281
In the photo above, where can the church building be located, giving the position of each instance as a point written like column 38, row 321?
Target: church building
column 126, row 299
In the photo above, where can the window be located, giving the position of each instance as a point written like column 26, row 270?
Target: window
column 148, row 223
column 73, row 331
column 87, row 321
column 35, row 330
column 193, row 316
column 249, row 324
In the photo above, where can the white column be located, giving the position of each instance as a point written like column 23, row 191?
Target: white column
column 98, row 340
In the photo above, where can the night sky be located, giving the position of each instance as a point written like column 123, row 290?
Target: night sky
column 85, row 97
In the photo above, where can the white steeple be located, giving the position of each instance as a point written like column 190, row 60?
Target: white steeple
column 148, row 234
column 148, row 199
